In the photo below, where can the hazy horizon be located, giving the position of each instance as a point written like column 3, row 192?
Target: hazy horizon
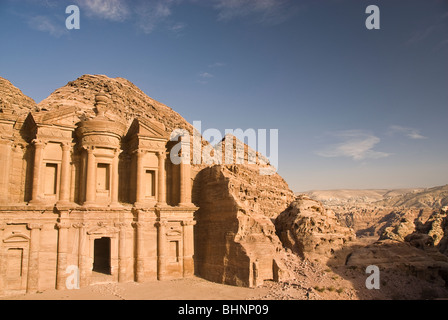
column 349, row 189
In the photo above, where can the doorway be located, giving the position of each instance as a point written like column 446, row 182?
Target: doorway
column 101, row 255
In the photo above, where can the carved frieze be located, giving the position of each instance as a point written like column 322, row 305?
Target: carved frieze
column 101, row 140
column 53, row 133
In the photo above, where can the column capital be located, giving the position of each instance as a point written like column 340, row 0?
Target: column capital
column 160, row 224
column 39, row 143
column 188, row 223
column 32, row 226
column 63, row 225
column 138, row 224
column 139, row 152
column 66, row 146
column 161, row 154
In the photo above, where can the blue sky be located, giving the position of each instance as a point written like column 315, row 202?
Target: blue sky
column 355, row 108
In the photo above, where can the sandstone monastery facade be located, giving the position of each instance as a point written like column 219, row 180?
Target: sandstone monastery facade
column 92, row 195
column 88, row 188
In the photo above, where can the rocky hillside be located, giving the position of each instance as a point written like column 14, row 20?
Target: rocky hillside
column 13, row 100
column 435, row 198
column 127, row 101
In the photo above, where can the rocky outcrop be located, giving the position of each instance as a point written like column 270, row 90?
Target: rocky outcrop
column 13, row 101
column 432, row 233
column 399, row 231
column 309, row 229
column 372, row 222
column 437, row 229
column 236, row 242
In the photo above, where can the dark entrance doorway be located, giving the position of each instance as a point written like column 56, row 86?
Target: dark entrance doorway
column 101, row 255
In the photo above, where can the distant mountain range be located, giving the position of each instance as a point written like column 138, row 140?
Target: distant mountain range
column 436, row 197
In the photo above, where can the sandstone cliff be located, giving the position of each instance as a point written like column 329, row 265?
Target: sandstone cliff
column 236, row 242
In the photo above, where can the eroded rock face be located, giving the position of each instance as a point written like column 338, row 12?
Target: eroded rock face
column 236, row 242
column 13, row 100
column 399, row 231
column 126, row 101
column 432, row 233
column 372, row 222
column 308, row 229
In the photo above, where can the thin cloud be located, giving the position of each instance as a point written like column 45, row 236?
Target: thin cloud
column 113, row 10
column 216, row 65
column 45, row 24
column 265, row 11
column 355, row 144
column 152, row 13
column 408, row 132
column 435, row 28
column 148, row 15
column 177, row 27
column 206, row 75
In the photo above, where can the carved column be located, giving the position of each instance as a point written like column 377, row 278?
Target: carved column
column 188, row 248
column 64, row 189
column 90, row 178
column 4, row 178
column 161, row 179
column 185, row 184
column 161, row 244
column 2, row 259
column 73, row 181
column 36, row 196
column 62, row 254
column 33, row 263
column 122, row 272
column 140, row 262
column 82, row 254
column 115, row 186
column 139, row 192
column 185, row 177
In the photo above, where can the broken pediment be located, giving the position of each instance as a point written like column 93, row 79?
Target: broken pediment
column 147, row 128
column 64, row 117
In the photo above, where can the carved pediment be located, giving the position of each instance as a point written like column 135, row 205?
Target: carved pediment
column 147, row 128
column 66, row 116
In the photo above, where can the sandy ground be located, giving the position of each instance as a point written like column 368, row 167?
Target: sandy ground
column 184, row 289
